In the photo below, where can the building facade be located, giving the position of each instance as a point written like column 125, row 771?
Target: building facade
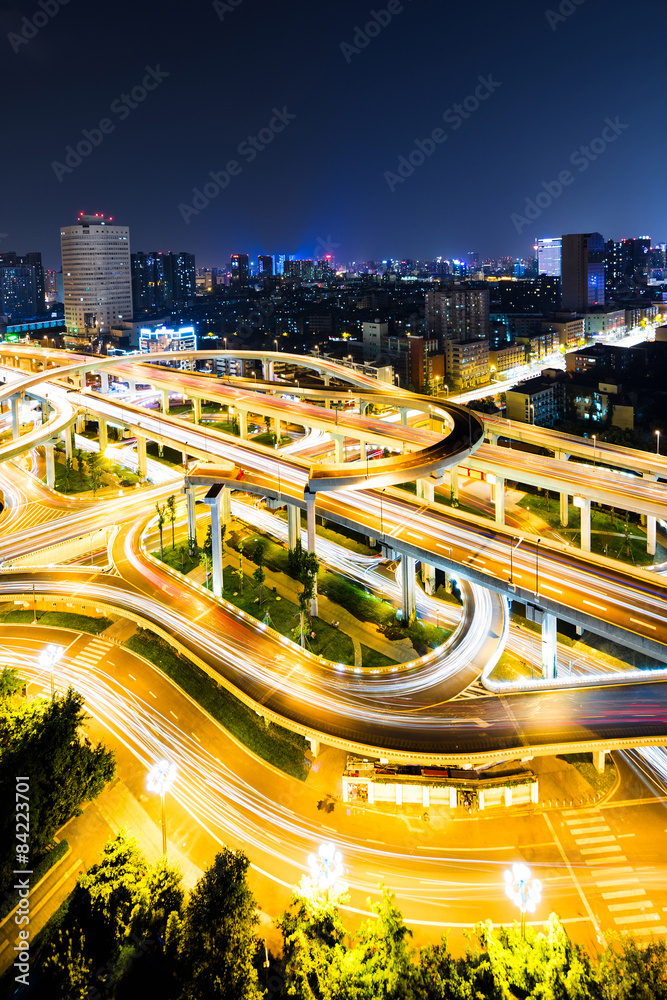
column 583, row 271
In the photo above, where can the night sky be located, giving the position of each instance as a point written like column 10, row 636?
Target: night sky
column 321, row 181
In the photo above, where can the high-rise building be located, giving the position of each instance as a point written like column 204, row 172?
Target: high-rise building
column 549, row 256
column 303, row 269
column 265, row 267
column 97, row 277
column 239, row 265
column 457, row 313
column 33, row 260
column 628, row 264
column 582, row 271
column 148, row 286
column 18, row 292
column 179, row 277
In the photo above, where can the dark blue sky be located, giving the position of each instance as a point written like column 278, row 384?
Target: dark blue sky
column 322, row 178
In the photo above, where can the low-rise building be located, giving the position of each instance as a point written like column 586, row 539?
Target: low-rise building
column 539, row 400
column 466, row 363
column 505, row 358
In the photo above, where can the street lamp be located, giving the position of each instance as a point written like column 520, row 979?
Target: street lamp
column 160, row 779
column 48, row 659
column 512, row 551
column 532, row 413
column 537, row 567
column 594, row 444
column 657, row 442
column 326, row 870
column 524, row 892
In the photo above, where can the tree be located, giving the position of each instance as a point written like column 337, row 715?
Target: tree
column 241, row 566
column 630, row 970
column 69, row 469
column 161, row 518
column 171, row 517
column 308, row 577
column 81, row 466
column 11, row 683
column 95, row 473
column 259, row 576
column 67, row 970
column 217, row 941
column 383, row 952
column 112, row 887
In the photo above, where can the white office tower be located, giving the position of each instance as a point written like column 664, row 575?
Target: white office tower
column 97, row 279
column 549, row 256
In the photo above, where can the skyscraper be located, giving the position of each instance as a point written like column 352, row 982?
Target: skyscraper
column 457, row 313
column 32, row 260
column 97, row 281
column 549, row 256
column 179, row 277
column 148, row 281
column 18, row 292
column 583, row 271
column 239, row 265
column 265, row 267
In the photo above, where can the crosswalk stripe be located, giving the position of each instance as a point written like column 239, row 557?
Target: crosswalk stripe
column 640, row 905
column 608, row 849
column 637, row 919
column 595, row 840
column 581, row 812
column 607, row 872
column 649, row 930
column 624, row 892
column 590, row 829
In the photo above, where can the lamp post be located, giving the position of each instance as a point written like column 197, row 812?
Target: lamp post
column 523, row 891
column 594, row 444
column 532, row 413
column 512, row 550
column 160, row 779
column 537, row 567
column 48, row 659
column 657, row 442
column 326, row 871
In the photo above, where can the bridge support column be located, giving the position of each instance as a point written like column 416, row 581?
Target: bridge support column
column 226, row 506
column 165, row 401
column 196, row 410
column 267, row 371
column 499, row 499
column 293, row 525
column 45, row 412
column 214, row 502
column 585, row 508
column 314, row 747
column 310, row 511
column 15, row 400
column 491, row 438
column 363, row 406
column 327, row 381
column 132, row 386
column 69, row 442
column 142, row 466
column 102, row 434
column 599, row 760
column 403, row 410
column 339, row 447
column 243, row 424
column 549, row 646
column 454, row 482
column 49, row 454
column 104, row 377
column 562, row 456
column 276, row 429
column 190, row 498
column 564, row 499
column 408, row 587
column 426, row 490
column 80, row 423
column 650, row 534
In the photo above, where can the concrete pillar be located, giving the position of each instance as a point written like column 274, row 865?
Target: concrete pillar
column 508, row 797
column 243, row 424
column 165, row 401
column 549, row 646
column 314, row 747
column 196, row 410
column 49, row 454
column 15, row 401
column 491, row 437
column 426, row 489
column 650, row 534
column 371, row 793
column 190, row 497
column 226, row 506
column 480, row 799
column 267, row 370
column 598, row 760
column 216, row 554
column 562, row 456
column 276, row 428
column 499, row 499
column 585, row 508
column 564, row 500
column 132, row 386
column 428, row 578
column 45, row 411
column 80, row 423
column 69, row 442
column 399, row 794
column 293, row 525
column 426, row 796
column 363, row 406
column 142, row 467
column 102, row 434
column 339, row 447
column 310, row 511
column 534, row 792
column 454, row 481
column 408, row 587
column 104, row 376
column 403, row 410
column 453, row 798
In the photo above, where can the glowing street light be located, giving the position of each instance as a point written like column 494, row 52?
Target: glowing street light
column 657, row 442
column 160, row 779
column 48, row 659
column 326, row 870
column 524, row 892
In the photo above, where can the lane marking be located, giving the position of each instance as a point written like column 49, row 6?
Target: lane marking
column 602, row 850
column 596, row 840
column 133, row 678
column 623, row 892
column 174, row 714
column 645, row 624
column 153, row 695
column 640, row 905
